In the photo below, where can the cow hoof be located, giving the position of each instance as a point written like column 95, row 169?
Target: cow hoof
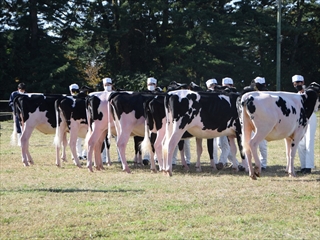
column 198, row 169
column 257, row 172
column 235, row 169
column 241, row 168
column 292, row 175
column 90, row 169
column 145, row 162
column 26, row 164
column 186, row 168
column 253, row 177
column 153, row 170
column 219, row 166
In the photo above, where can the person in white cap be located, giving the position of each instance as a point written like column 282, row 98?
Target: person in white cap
column 74, row 89
column 211, row 83
column 16, row 124
column 82, row 154
column 223, row 141
column 151, row 84
column 227, row 82
column 259, row 84
column 212, row 143
column 107, row 84
column 306, row 145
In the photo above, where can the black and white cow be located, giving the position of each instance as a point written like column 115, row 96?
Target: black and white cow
column 127, row 111
column 274, row 116
column 155, row 132
column 71, row 117
column 156, row 124
column 35, row 110
column 97, row 105
column 202, row 114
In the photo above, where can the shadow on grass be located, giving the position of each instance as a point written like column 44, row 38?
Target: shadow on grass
column 60, row 190
column 271, row 171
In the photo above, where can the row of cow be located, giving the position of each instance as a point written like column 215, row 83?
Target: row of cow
column 165, row 119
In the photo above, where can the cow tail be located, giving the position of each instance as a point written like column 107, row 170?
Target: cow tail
column 109, row 121
column 89, row 114
column 146, row 147
column 246, row 130
column 14, row 135
column 57, row 136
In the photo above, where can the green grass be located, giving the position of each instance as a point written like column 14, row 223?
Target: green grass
column 46, row 202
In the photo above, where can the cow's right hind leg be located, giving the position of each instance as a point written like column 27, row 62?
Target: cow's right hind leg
column 25, row 154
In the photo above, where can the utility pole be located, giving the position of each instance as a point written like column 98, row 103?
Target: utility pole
column 279, row 39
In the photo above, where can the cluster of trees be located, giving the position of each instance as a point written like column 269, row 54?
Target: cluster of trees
column 51, row 44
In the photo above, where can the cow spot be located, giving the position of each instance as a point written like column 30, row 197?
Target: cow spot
column 250, row 105
column 303, row 118
column 283, row 106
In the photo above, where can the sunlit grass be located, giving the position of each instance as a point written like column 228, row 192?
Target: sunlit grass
column 43, row 201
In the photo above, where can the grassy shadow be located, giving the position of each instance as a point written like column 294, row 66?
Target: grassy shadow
column 59, row 190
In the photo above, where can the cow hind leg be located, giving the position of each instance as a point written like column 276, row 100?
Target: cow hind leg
column 246, row 136
column 121, row 144
column 291, row 148
column 72, row 144
column 254, row 142
column 25, row 154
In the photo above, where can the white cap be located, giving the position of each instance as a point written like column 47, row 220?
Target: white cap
column 211, row 81
column 151, row 80
column 260, row 80
column 227, row 80
column 106, row 80
column 73, row 86
column 297, row 78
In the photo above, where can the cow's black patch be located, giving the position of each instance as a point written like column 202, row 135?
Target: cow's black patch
column 124, row 102
column 303, row 118
column 250, row 105
column 46, row 103
column 282, row 104
column 74, row 108
column 154, row 112
column 215, row 111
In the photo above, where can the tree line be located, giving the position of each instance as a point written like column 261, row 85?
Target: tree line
column 50, row 44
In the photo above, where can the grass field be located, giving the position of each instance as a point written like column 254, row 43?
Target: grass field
column 46, row 202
